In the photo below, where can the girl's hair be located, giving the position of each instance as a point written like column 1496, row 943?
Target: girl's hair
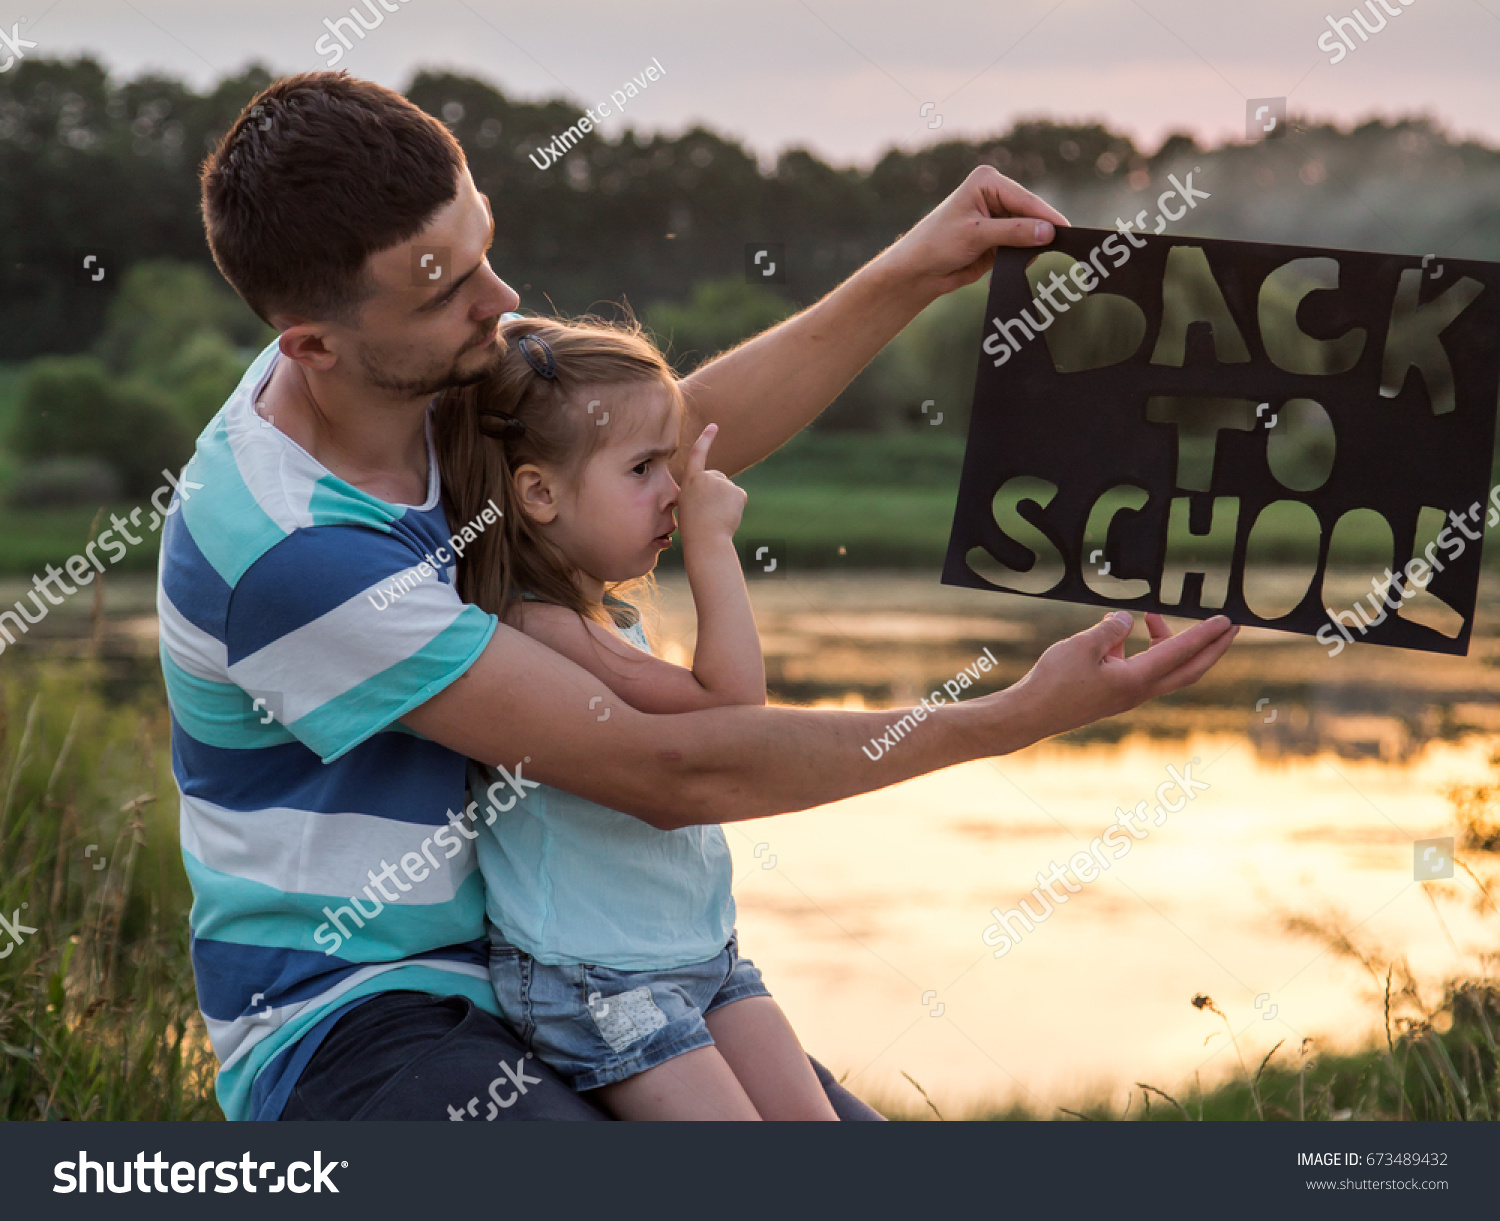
column 478, row 450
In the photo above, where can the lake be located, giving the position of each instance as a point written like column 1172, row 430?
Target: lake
column 869, row 916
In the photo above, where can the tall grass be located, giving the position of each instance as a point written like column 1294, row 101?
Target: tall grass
column 98, row 1017
column 1439, row 1063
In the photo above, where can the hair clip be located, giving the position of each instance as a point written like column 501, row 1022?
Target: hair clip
column 547, row 365
column 501, row 425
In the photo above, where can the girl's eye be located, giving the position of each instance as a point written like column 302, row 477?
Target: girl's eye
column 640, row 467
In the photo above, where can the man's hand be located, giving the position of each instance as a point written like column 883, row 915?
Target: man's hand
column 709, row 505
column 1087, row 676
column 954, row 244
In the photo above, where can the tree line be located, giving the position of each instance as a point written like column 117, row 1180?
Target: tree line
column 132, row 340
column 92, row 164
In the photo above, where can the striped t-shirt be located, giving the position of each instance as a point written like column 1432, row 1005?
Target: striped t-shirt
column 300, row 618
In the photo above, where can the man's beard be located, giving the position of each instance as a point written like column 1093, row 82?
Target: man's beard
column 431, row 383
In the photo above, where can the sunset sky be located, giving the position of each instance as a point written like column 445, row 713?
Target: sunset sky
column 846, row 78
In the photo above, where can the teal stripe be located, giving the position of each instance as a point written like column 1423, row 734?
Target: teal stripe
column 226, row 522
column 234, row 1085
column 227, row 908
column 339, row 725
column 218, row 714
column 336, row 503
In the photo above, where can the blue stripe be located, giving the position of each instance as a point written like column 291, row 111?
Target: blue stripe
column 190, row 582
column 326, row 566
column 429, row 528
column 392, row 775
column 229, row 974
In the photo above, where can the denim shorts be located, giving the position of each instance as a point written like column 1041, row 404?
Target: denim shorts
column 595, row 1026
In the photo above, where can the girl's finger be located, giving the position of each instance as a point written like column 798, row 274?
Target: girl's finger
column 699, row 456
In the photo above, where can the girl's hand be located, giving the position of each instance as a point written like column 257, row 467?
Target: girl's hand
column 708, row 503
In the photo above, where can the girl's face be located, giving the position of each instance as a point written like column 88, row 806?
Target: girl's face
column 614, row 518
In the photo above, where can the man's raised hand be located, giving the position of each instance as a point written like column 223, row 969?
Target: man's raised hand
column 955, row 243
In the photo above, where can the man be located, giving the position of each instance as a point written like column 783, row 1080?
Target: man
column 327, row 685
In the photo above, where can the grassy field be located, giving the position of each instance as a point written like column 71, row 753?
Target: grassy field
column 837, row 500
column 98, row 1017
column 10, row 384
column 30, row 539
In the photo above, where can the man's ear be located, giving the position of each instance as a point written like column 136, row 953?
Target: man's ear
column 304, row 343
column 536, row 493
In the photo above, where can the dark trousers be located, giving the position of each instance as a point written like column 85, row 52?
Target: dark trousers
column 408, row 1055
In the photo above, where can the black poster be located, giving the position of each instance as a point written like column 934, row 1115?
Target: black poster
column 1196, row 427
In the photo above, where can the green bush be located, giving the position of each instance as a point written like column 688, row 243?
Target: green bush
column 719, row 315
column 64, row 482
column 177, row 332
column 200, row 377
column 161, row 306
column 71, row 408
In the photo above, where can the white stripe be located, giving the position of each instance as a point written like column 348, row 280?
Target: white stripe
column 302, row 852
column 348, row 645
column 279, row 473
column 235, row 1039
column 189, row 646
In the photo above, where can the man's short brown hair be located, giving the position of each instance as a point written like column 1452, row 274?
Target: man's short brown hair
column 319, row 172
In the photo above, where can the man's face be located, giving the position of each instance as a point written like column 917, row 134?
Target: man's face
column 431, row 322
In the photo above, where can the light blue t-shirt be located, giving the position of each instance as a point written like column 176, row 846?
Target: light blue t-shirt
column 570, row 881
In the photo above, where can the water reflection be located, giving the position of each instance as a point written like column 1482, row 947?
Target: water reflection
column 889, row 638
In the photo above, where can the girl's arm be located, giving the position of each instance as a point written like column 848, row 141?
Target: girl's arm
column 727, row 659
column 646, row 683
column 727, row 664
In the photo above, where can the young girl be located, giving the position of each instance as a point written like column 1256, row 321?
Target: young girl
column 613, row 950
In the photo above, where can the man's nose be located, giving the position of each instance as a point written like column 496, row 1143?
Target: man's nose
column 499, row 297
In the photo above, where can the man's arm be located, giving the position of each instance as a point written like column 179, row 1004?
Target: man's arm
column 772, row 386
column 522, row 703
